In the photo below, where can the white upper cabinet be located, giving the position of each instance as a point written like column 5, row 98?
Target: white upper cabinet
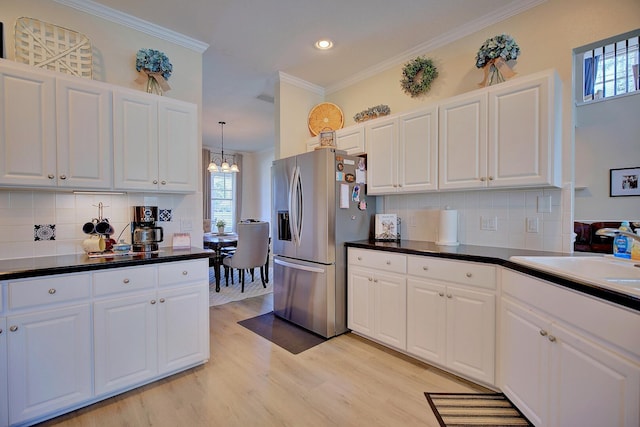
column 27, row 127
column 155, row 143
column 507, row 135
column 351, row 139
column 84, row 134
column 382, row 156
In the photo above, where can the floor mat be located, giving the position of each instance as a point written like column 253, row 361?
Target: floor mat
column 475, row 409
column 284, row 334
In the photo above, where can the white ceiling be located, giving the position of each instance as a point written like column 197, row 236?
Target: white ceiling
column 252, row 40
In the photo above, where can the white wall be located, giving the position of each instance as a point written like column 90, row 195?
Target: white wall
column 256, row 185
column 607, row 137
column 114, row 51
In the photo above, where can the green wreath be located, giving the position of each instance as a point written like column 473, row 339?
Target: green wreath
column 417, row 76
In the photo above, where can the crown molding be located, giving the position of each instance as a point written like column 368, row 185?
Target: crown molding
column 499, row 15
column 101, row 11
column 303, row 84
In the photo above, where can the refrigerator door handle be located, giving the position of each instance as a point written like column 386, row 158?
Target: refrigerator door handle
column 298, row 266
column 300, row 207
column 293, row 206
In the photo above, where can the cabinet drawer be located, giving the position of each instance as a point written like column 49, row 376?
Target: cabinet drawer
column 48, row 290
column 175, row 273
column 124, row 280
column 463, row 272
column 380, row 260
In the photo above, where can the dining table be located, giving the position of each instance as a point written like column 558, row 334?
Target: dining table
column 216, row 242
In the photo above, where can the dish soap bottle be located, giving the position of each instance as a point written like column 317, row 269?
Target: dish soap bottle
column 622, row 243
column 635, row 247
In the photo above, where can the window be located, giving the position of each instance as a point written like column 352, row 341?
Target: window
column 223, row 186
column 609, row 68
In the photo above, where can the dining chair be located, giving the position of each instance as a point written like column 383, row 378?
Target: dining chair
column 252, row 248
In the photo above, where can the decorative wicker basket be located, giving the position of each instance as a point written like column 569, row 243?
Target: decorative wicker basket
column 54, row 48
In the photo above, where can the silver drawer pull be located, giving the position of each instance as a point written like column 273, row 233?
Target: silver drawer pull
column 184, row 273
column 163, row 182
column 543, row 332
column 375, row 280
column 449, row 296
column 155, row 181
column 52, row 291
column 125, row 281
column 63, row 176
column 359, row 258
column 388, row 262
column 51, row 176
column 441, row 294
column 552, row 338
column 13, row 328
column 153, row 301
column 469, row 274
column 370, row 279
column 161, row 300
column 425, row 268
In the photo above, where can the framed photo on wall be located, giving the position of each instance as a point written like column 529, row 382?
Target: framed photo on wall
column 624, row 182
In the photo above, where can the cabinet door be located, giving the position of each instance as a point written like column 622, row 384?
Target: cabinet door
column 4, row 405
column 426, row 317
column 360, row 301
column 84, row 135
column 351, row 140
column 49, row 360
column 382, row 157
column 591, row 385
column 471, row 333
column 390, row 308
column 27, row 128
column 521, row 137
column 463, row 142
column 125, row 332
column 135, row 141
column 524, row 360
column 418, row 151
column 183, row 327
column 177, row 146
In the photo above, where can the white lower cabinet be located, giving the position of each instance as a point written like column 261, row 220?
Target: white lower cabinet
column 4, row 407
column 148, row 321
column 49, row 361
column 554, row 371
column 452, row 325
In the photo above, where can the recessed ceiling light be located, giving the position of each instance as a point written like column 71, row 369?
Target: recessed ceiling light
column 324, row 44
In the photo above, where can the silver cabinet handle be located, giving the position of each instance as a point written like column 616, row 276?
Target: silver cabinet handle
column 490, row 178
column 441, row 294
column 153, row 301
column 125, row 281
column 469, row 274
column 425, row 268
column 543, row 332
column 52, row 291
column 51, row 176
column 155, row 181
column 483, row 179
column 161, row 300
column 63, row 176
column 449, row 296
column 184, row 273
column 13, row 328
column 375, row 280
column 388, row 262
column 359, row 258
column 163, row 182
column 370, row 279
column 552, row 338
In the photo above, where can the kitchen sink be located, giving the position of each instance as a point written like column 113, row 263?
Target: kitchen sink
column 605, row 271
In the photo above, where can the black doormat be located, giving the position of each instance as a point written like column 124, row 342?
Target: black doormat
column 475, row 409
column 284, row 334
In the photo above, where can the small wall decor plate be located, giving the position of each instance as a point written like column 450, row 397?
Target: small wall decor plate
column 324, row 117
column 54, row 48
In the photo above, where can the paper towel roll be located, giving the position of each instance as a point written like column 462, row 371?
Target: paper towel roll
column 448, row 228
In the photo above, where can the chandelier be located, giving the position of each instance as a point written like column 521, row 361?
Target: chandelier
column 224, row 166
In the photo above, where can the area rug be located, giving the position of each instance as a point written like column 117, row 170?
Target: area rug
column 284, row 334
column 475, row 409
column 232, row 292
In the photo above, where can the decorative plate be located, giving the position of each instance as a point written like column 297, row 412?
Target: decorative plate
column 325, row 116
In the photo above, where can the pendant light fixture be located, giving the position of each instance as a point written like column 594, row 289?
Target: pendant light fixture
column 224, row 166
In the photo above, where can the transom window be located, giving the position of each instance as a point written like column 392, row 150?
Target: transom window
column 609, row 68
column 223, row 199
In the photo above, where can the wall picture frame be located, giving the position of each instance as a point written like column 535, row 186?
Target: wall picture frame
column 623, row 182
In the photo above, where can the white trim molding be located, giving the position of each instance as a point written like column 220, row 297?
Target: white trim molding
column 303, row 84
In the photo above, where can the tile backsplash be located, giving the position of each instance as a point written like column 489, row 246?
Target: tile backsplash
column 549, row 209
column 42, row 223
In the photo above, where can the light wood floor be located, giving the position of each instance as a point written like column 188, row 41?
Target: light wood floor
column 346, row 381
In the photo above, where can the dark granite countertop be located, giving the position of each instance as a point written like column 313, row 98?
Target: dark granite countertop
column 44, row 266
column 500, row 256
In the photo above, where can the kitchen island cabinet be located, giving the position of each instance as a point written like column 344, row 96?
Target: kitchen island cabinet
column 125, row 323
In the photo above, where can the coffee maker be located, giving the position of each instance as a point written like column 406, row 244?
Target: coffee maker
column 145, row 235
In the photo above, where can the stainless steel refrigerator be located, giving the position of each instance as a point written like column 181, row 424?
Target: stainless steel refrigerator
column 319, row 203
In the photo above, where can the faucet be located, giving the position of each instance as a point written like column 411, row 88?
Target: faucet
column 612, row 232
